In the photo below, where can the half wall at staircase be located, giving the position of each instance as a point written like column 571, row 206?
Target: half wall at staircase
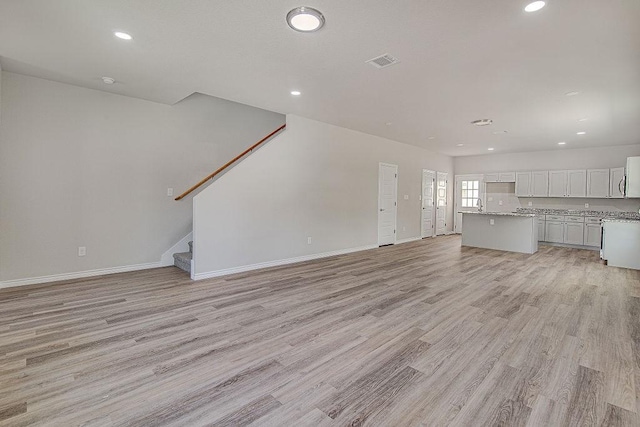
column 313, row 181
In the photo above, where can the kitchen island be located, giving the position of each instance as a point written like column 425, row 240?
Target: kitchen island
column 503, row 231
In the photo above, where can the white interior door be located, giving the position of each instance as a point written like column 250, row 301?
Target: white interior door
column 428, row 203
column 441, row 202
column 387, row 203
column 469, row 189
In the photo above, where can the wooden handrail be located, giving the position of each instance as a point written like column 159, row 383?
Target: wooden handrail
column 235, row 159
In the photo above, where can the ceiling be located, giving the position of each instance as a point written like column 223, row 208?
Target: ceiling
column 459, row 61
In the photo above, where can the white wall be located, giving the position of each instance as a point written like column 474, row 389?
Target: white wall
column 584, row 158
column 80, row 167
column 314, row 180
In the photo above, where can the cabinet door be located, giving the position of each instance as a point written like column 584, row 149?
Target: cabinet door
column 574, row 233
column 598, row 183
column 577, row 183
column 541, row 224
column 557, row 183
column 554, row 231
column 616, row 189
column 540, row 184
column 507, row 177
column 592, row 233
column 523, row 184
column 491, row 177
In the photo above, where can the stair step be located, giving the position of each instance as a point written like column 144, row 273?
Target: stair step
column 182, row 260
column 191, row 246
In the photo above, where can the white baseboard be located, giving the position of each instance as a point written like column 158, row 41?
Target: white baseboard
column 181, row 246
column 410, row 239
column 244, row 268
column 77, row 275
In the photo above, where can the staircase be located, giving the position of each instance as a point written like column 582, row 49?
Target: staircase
column 182, row 260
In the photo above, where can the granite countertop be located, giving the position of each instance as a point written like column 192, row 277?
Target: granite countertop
column 575, row 212
column 615, row 219
column 518, row 214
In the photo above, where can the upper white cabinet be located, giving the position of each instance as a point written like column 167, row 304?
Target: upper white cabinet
column 598, row 183
column 507, row 177
column 616, row 183
column 540, row 184
column 523, row 184
column 500, row 177
column 532, row 184
column 557, row 183
column 577, row 183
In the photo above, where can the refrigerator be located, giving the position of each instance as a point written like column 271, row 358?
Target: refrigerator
column 632, row 178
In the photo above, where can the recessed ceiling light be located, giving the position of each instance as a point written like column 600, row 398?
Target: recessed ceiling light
column 535, row 6
column 389, row 123
column 482, row 122
column 295, row 92
column 580, row 133
column 305, row 19
column 123, row 36
column 108, row 80
column 431, row 137
column 490, row 149
column 499, row 132
column 561, row 143
column 583, row 119
column 460, row 145
column 574, row 93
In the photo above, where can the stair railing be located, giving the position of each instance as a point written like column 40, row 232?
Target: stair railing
column 235, row 159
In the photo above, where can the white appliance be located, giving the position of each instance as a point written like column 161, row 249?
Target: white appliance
column 632, row 178
column 621, row 243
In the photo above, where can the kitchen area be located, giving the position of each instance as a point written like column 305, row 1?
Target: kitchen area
column 596, row 209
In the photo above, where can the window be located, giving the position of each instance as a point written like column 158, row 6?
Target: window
column 470, row 193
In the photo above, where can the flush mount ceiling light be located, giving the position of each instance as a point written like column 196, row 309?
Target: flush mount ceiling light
column 562, row 143
column 490, row 149
column 482, row 122
column 296, row 93
column 534, row 7
column 580, row 133
column 123, row 36
column 305, row 19
column 574, row 93
column 108, row 80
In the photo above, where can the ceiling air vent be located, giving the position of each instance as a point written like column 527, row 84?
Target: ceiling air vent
column 382, row 61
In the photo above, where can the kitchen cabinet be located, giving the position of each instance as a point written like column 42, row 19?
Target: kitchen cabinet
column 616, row 183
column 554, row 231
column 557, row 183
column 598, row 183
column 500, row 177
column 541, row 228
column 574, row 233
column 540, row 184
column 523, row 184
column 577, row 183
column 592, row 232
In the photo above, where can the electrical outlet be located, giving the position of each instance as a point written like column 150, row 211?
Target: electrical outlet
column 500, row 202
column 406, row 197
column 169, row 192
column 530, row 204
column 82, row 250
column 586, row 205
column 492, row 222
column 308, row 240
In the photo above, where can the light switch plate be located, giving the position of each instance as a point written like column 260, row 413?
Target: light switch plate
column 169, row 192
column 530, row 204
column 492, row 222
column 308, row 240
column 500, row 202
column 82, row 250
column 586, row 205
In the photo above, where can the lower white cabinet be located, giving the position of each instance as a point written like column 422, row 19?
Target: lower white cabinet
column 574, row 233
column 554, row 231
column 541, row 229
column 592, row 234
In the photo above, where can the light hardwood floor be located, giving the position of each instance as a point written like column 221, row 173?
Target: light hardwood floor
column 424, row 333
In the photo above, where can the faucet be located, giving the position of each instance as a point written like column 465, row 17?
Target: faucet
column 479, row 205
